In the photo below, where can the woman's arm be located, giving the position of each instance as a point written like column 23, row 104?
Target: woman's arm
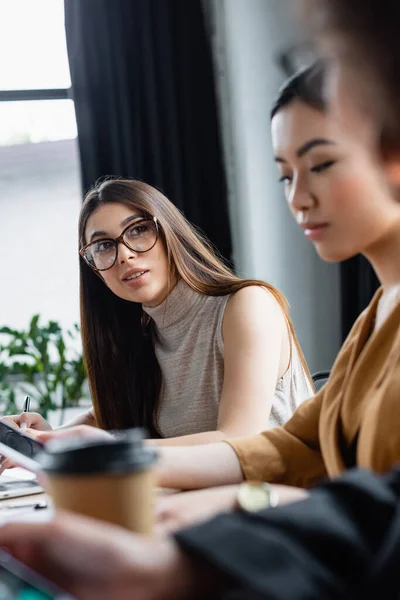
column 194, row 467
column 256, row 354
column 86, row 418
column 289, row 455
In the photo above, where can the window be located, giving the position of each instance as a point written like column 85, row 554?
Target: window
column 33, row 53
column 40, row 191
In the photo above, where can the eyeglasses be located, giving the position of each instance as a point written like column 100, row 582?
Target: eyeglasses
column 140, row 236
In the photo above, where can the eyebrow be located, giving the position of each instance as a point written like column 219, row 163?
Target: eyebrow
column 123, row 224
column 307, row 147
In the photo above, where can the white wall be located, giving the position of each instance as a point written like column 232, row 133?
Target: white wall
column 267, row 243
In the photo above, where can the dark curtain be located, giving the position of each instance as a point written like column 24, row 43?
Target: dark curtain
column 142, row 82
column 358, row 285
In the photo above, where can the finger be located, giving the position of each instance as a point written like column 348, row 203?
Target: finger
column 160, row 509
column 32, row 420
column 21, row 420
column 13, row 419
column 35, row 433
column 27, row 420
column 166, row 520
column 167, row 527
column 6, row 463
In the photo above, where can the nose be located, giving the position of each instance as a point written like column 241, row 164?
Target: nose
column 125, row 253
column 300, row 197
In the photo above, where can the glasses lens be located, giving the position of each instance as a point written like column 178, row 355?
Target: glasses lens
column 141, row 236
column 101, row 255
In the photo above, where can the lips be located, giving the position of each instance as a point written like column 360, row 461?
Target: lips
column 133, row 274
column 314, row 231
column 312, row 226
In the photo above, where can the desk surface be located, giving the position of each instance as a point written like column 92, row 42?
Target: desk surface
column 23, row 506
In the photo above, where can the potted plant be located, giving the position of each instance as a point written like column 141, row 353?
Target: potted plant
column 8, row 404
column 43, row 362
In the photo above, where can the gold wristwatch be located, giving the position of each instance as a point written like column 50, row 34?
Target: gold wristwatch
column 256, row 495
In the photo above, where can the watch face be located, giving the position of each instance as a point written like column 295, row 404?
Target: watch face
column 254, row 497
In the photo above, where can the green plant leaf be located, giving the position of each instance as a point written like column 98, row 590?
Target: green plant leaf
column 44, row 361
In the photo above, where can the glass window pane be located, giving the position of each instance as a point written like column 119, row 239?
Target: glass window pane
column 33, row 53
column 40, row 199
column 36, row 121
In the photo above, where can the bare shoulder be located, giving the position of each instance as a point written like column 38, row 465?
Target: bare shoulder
column 254, row 297
column 254, row 303
column 255, row 322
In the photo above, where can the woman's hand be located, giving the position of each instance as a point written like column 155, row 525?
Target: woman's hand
column 96, row 561
column 79, row 431
column 181, row 510
column 28, row 420
column 25, row 420
column 188, row 508
column 84, row 432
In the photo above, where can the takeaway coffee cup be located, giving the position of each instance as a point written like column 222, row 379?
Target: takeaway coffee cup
column 109, row 480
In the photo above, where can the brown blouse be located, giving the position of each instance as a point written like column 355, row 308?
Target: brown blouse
column 353, row 420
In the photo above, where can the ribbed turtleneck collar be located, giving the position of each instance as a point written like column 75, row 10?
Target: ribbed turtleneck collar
column 181, row 304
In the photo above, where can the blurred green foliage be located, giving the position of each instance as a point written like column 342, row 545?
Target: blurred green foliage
column 44, row 362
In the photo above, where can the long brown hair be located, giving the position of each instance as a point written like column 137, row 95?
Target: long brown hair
column 123, row 372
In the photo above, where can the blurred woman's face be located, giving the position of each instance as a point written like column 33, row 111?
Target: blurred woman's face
column 141, row 277
column 333, row 182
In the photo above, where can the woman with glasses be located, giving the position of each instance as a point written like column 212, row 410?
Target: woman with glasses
column 172, row 340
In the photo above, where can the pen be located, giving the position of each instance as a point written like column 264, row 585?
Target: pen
column 35, row 506
column 27, row 404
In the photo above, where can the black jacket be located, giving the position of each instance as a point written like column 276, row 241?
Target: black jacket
column 343, row 542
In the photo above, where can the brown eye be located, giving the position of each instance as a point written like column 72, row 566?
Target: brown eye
column 323, row 166
column 138, row 230
column 103, row 246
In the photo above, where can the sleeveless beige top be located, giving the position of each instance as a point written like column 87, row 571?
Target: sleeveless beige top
column 190, row 351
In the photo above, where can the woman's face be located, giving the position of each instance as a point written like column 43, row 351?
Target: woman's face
column 137, row 277
column 332, row 182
